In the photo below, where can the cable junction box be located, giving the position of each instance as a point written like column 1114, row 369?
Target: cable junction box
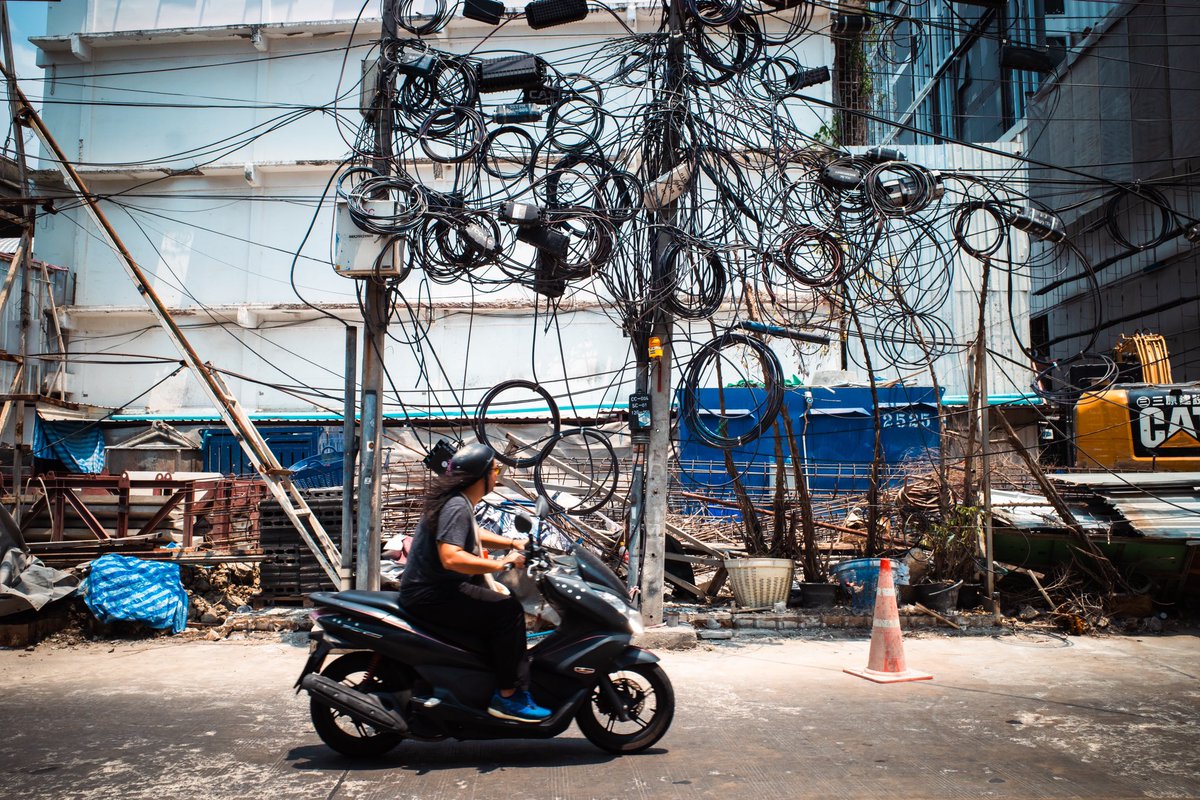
column 363, row 254
column 516, row 113
column 521, row 213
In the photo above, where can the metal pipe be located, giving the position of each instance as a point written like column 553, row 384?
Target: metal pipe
column 20, row 262
column 349, row 451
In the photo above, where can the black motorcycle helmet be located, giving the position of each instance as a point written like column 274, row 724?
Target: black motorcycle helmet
column 472, row 460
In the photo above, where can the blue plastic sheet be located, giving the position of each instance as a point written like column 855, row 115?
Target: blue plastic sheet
column 126, row 588
column 78, row 445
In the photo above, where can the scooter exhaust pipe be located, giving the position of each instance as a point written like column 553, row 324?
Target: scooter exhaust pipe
column 361, row 707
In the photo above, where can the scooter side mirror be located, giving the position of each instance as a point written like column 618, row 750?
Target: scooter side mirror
column 523, row 523
column 542, row 508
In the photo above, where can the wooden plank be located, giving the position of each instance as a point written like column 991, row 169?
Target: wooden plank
column 937, row 616
column 691, row 588
column 10, row 404
column 708, row 562
column 6, row 290
column 718, row 580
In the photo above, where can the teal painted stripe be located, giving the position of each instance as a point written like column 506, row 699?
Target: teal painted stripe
column 325, row 416
column 1022, row 399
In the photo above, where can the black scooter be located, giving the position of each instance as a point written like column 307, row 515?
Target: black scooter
column 404, row 679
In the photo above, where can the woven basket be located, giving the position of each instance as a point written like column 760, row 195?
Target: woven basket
column 760, row 582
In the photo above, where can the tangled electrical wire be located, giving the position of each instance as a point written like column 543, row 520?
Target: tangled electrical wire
column 678, row 176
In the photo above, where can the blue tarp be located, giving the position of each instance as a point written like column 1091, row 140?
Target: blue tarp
column 78, row 445
column 126, row 588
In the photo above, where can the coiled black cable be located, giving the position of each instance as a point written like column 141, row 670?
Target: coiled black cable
column 706, row 357
column 1152, row 197
column 539, row 448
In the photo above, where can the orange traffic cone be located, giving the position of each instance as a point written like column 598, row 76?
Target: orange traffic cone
column 885, row 664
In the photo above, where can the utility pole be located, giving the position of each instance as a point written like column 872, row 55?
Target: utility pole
column 375, row 321
column 985, row 442
column 19, row 262
column 658, row 372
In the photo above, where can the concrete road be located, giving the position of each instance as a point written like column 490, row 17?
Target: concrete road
column 1019, row 715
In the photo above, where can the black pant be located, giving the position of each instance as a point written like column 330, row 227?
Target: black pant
column 497, row 619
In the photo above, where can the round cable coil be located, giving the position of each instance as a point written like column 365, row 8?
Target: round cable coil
column 540, row 448
column 773, row 387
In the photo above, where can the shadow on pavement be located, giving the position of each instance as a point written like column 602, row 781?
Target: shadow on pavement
column 422, row 758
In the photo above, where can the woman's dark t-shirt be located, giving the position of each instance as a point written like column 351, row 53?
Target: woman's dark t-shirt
column 425, row 580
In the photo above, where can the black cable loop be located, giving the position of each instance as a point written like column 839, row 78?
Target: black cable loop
column 492, row 153
column 447, row 121
column 698, row 291
column 771, row 372
column 962, row 216
column 406, row 14
column 715, row 13
column 828, row 265
column 1150, row 195
column 542, row 447
column 598, row 491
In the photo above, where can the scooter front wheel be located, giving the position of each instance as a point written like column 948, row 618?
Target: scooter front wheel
column 345, row 735
column 642, row 694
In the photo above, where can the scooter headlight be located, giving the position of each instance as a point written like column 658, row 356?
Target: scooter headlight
column 636, row 626
column 631, row 614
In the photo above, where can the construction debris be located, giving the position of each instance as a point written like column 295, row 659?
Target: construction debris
column 215, row 593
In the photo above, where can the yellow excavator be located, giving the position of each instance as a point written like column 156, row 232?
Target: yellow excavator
column 1148, row 423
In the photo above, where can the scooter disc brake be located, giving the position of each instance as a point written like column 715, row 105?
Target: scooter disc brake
column 632, row 695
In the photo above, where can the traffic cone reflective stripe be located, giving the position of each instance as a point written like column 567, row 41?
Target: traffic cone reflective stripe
column 885, row 663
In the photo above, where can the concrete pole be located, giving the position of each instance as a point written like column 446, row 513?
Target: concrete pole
column 370, row 466
column 375, row 321
column 658, row 449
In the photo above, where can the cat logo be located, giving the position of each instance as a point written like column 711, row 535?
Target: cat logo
column 1165, row 425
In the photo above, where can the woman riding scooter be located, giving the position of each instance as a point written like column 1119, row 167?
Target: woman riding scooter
column 447, row 580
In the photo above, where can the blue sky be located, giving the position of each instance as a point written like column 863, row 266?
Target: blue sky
column 27, row 19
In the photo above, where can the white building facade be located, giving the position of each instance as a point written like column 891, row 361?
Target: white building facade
column 212, row 131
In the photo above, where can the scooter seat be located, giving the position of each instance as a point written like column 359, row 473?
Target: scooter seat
column 384, row 601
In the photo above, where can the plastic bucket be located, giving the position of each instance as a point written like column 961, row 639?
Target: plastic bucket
column 860, row 577
column 760, row 582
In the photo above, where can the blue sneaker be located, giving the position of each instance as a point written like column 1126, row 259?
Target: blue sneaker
column 519, row 707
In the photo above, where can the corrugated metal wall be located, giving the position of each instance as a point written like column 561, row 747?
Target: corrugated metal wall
column 1125, row 111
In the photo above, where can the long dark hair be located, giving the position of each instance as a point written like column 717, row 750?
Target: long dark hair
column 441, row 489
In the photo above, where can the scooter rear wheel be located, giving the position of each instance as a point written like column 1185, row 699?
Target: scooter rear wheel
column 646, row 697
column 343, row 734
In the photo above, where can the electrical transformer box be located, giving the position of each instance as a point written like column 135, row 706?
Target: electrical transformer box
column 359, row 253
